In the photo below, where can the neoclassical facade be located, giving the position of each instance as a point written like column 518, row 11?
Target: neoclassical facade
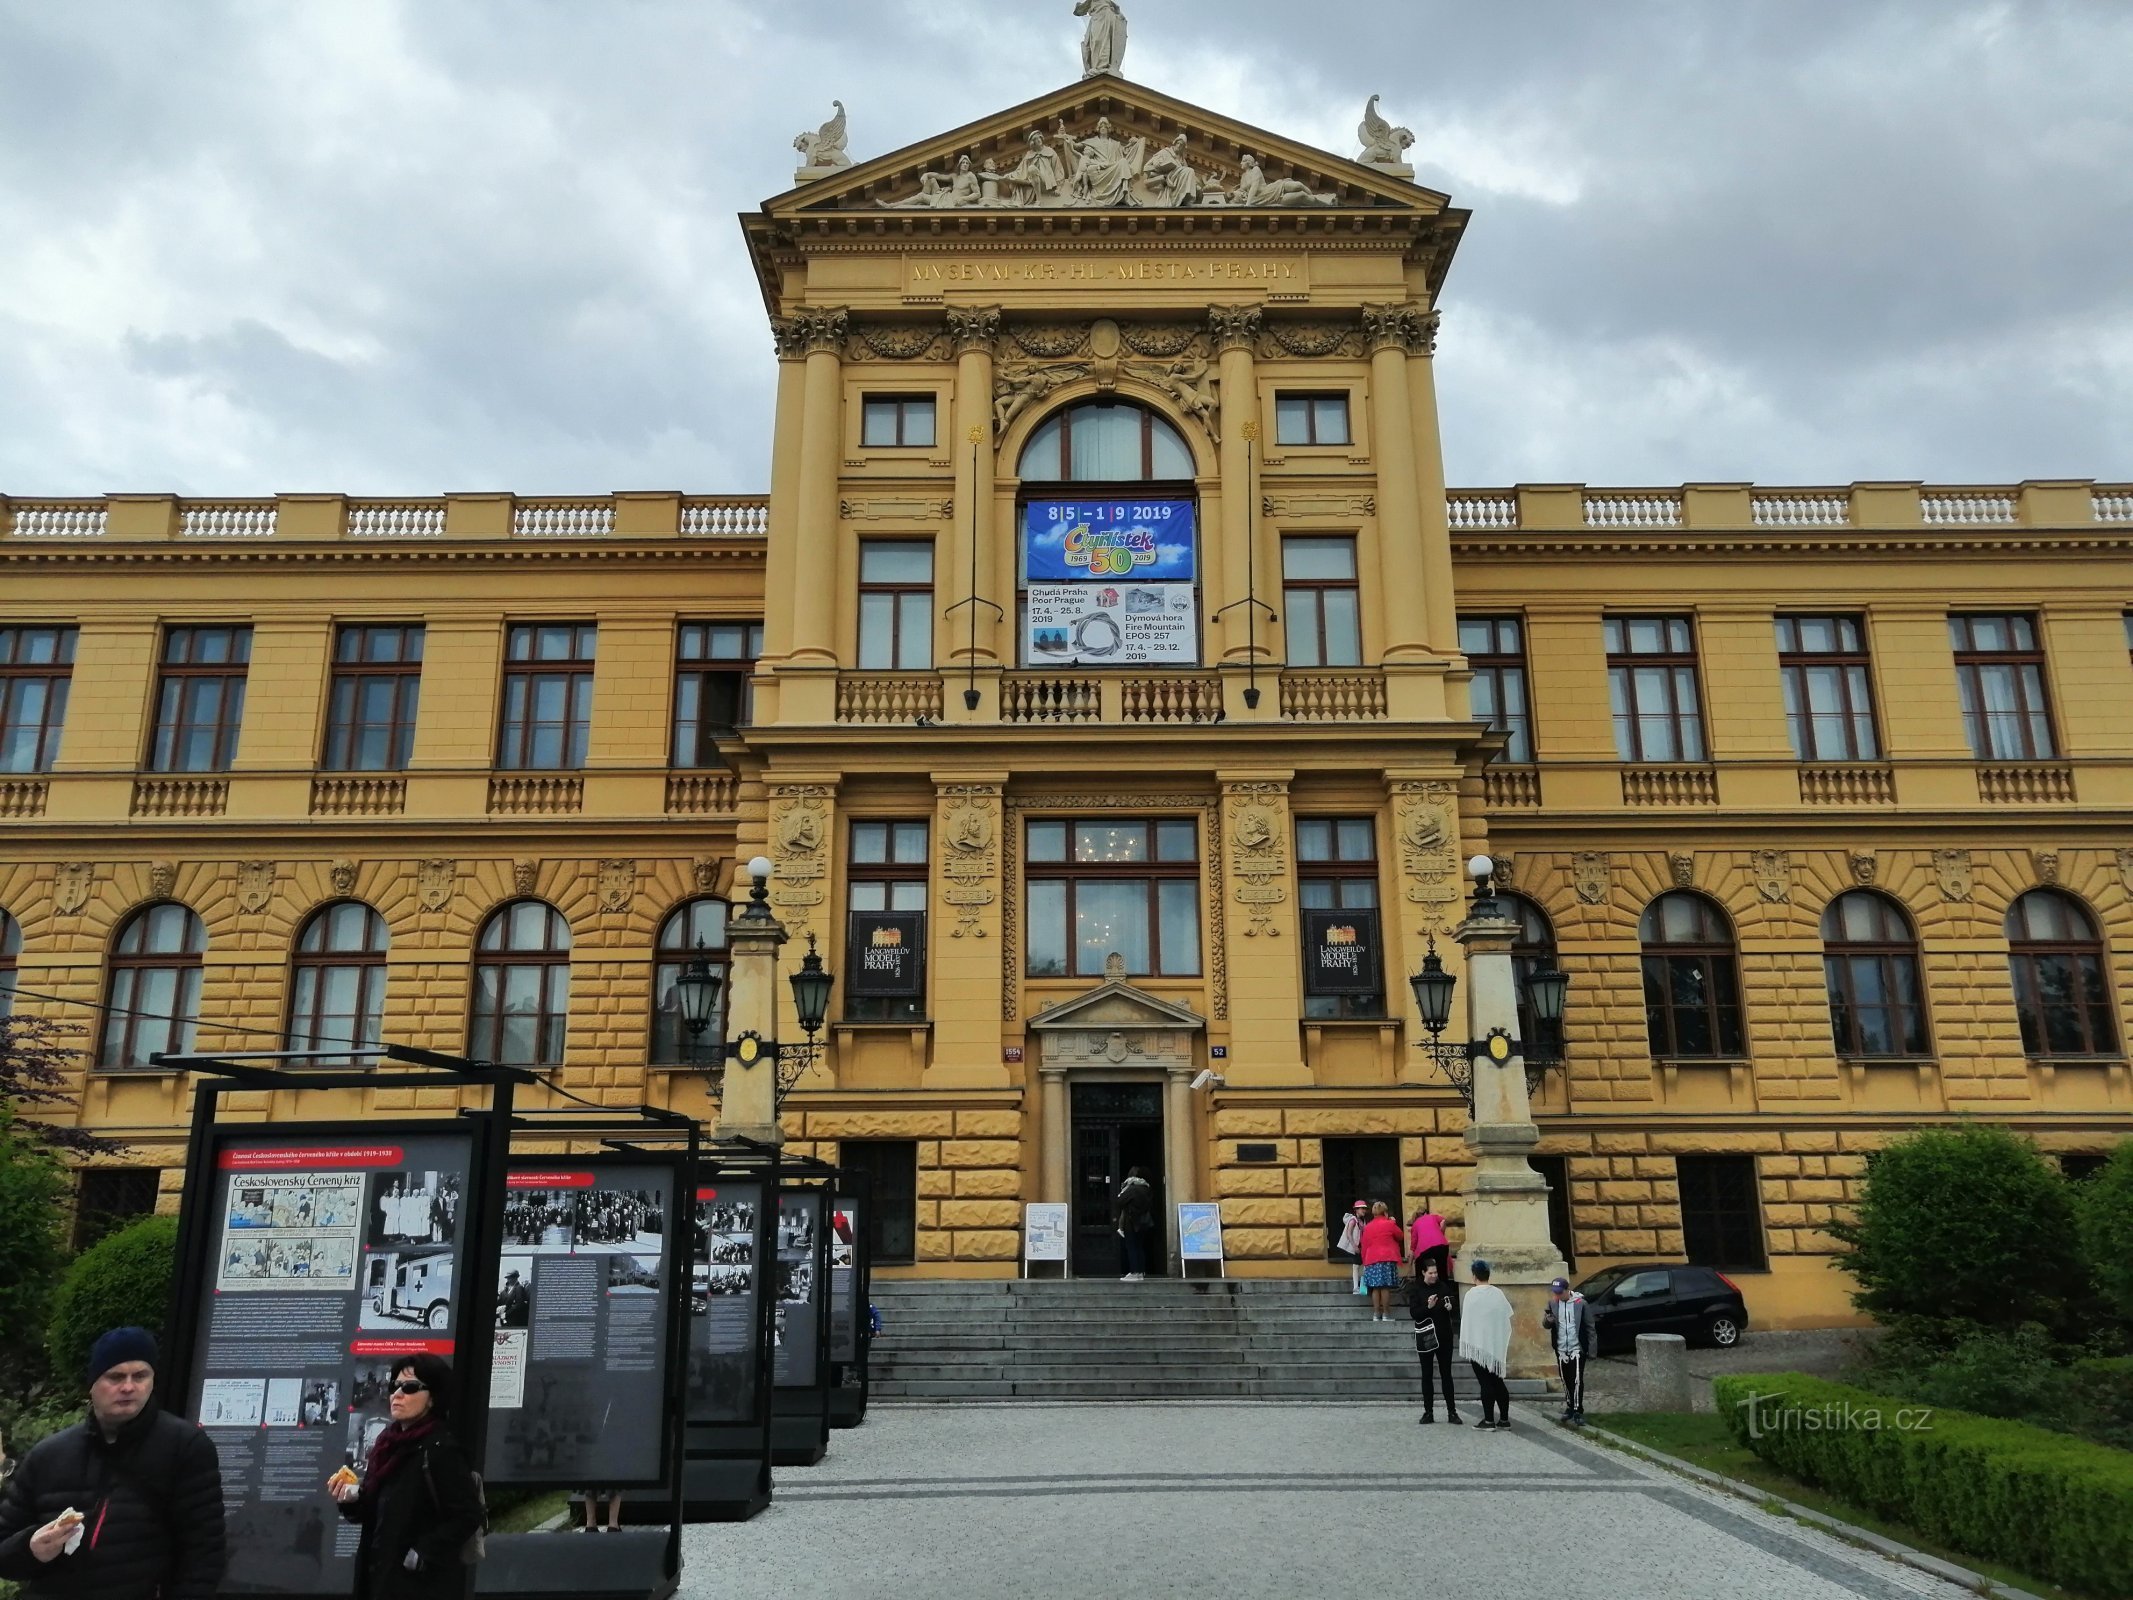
column 1117, row 689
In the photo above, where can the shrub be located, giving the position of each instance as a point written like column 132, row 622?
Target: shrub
column 2105, row 1203
column 33, row 1190
column 2022, row 1374
column 123, row 1280
column 2054, row 1507
column 2102, row 1400
column 1965, row 1225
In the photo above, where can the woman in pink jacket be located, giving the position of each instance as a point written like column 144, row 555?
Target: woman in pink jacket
column 1426, row 1242
column 1383, row 1251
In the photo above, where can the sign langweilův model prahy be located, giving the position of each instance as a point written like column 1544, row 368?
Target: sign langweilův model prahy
column 581, row 1323
column 1342, row 952
column 885, row 954
column 331, row 1257
column 1110, row 582
column 725, row 1300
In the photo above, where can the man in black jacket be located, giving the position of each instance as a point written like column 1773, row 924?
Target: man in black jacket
column 145, row 1490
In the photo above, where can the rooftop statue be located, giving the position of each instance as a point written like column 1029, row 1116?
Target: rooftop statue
column 1383, row 144
column 824, row 148
column 1100, row 168
column 1103, row 47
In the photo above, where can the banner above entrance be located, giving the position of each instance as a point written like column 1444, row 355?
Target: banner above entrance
column 1111, row 582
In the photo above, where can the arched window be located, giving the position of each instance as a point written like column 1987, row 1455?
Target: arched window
column 1870, row 963
column 10, row 948
column 2056, row 956
column 337, row 994
column 154, row 990
column 1691, row 980
column 522, row 986
column 1106, row 441
column 1533, row 951
column 697, row 928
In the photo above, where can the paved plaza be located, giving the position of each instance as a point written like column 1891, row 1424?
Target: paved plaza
column 1256, row 1499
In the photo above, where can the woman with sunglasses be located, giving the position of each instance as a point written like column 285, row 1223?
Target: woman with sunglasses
column 417, row 1502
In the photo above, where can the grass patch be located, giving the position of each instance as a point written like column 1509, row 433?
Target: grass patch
column 523, row 1516
column 1702, row 1441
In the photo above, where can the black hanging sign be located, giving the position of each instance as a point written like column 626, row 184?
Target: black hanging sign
column 886, row 955
column 1342, row 953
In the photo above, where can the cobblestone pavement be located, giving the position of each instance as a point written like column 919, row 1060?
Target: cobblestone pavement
column 1611, row 1385
column 1257, row 1499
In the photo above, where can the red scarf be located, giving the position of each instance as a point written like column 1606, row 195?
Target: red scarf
column 394, row 1446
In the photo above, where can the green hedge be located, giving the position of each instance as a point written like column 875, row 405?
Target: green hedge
column 2051, row 1506
column 121, row 1281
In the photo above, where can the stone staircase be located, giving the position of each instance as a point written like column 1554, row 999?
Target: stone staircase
column 1235, row 1339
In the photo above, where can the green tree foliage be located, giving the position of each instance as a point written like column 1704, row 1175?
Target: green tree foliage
column 33, row 1189
column 38, row 1063
column 1966, row 1225
column 2105, row 1203
column 123, row 1280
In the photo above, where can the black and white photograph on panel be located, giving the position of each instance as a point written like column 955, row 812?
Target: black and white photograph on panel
column 412, row 1207
column 724, row 1322
column 799, row 1219
column 407, row 1288
column 514, row 1295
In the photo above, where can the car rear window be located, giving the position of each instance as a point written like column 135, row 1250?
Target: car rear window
column 1697, row 1280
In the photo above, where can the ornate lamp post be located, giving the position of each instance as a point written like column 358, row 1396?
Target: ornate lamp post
column 699, row 986
column 750, row 1101
column 1546, row 992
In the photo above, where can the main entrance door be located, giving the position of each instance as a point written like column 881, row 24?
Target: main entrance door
column 1117, row 1127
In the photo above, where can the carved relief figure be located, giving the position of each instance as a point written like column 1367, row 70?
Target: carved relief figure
column 1103, row 46
column 2125, row 869
column 618, row 884
column 798, row 827
column 1428, row 847
column 1100, row 168
column 941, row 191
column 969, row 830
column 434, row 881
column 1592, row 875
column 255, row 884
column 1255, row 188
column 1189, row 380
column 1018, row 385
column 800, row 831
column 1040, row 177
column 1257, row 861
column 2046, row 863
column 1773, row 875
column 1951, row 869
column 1865, row 868
column 1383, row 144
column 525, row 876
column 1683, row 865
column 343, row 876
column 1171, row 180
column 162, row 879
column 825, row 146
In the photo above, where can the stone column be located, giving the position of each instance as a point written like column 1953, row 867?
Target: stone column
column 1234, row 328
column 975, row 331
column 1179, row 1166
column 782, row 576
column 1391, row 332
column 814, row 636
column 748, row 1100
column 1054, row 1135
column 1506, row 1200
column 1439, row 603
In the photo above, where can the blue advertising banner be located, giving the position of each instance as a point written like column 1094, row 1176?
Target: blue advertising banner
column 1110, row 583
column 1104, row 541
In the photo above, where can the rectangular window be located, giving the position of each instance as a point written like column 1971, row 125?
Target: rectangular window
column 895, row 606
column 713, row 696
column 1999, row 669
column 1098, row 889
column 1721, row 1221
column 370, row 711
column 886, row 871
column 890, row 1168
column 1495, row 647
column 111, row 1197
column 1321, row 602
column 1311, row 419
column 891, row 421
column 1829, row 694
column 200, row 699
column 36, row 669
column 548, row 685
column 1651, row 679
column 1337, row 870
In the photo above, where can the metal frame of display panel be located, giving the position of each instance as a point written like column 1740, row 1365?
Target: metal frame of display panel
column 849, row 1381
column 726, row 1464
column 800, row 1427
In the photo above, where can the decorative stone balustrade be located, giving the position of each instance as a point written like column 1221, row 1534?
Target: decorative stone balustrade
column 702, row 794
column 1482, row 509
column 1044, row 697
column 563, row 519
column 887, row 698
column 1669, row 786
column 2112, row 505
column 23, row 797
column 228, row 519
column 1333, row 696
column 180, row 797
column 59, row 519
column 1633, row 510
column 358, row 797
column 1806, row 510
column 1965, row 508
column 1847, row 786
column 526, row 796
column 396, row 519
column 1179, row 699
column 727, row 517
column 2031, row 784
column 1511, row 788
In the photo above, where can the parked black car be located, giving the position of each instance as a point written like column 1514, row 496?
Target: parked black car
column 1700, row 1303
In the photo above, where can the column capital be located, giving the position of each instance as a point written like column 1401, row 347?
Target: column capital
column 1409, row 329
column 1234, row 327
column 817, row 331
column 975, row 330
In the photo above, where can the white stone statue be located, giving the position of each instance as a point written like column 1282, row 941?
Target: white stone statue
column 825, row 146
column 1383, row 144
column 1100, row 169
column 1255, row 188
column 1103, row 47
column 1040, row 177
column 1169, row 176
column 943, row 191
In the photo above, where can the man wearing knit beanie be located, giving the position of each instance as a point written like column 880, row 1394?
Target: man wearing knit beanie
column 126, row 1506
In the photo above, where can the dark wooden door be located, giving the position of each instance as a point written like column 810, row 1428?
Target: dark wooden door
column 1117, row 1127
column 1358, row 1169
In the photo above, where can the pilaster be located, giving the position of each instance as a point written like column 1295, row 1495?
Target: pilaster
column 1257, row 881
column 963, row 934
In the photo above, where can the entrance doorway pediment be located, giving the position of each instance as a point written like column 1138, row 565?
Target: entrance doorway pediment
column 1118, row 1006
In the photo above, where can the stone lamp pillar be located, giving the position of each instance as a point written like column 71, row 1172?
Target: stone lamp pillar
column 748, row 1106
column 1506, row 1200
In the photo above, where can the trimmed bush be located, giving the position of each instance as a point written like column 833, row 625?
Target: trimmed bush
column 2052, row 1506
column 2105, row 1202
column 32, row 1192
column 121, row 1281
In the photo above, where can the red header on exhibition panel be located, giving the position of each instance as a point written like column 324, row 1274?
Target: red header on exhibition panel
column 549, row 1180
column 312, row 1158
column 401, row 1347
column 707, row 1194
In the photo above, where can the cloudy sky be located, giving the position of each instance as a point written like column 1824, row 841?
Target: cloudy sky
column 409, row 246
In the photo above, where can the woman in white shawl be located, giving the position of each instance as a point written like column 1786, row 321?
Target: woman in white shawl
column 1485, row 1345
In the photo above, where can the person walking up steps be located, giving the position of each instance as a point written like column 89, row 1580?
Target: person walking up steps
column 1571, row 1330
column 1134, row 1210
column 1433, row 1301
column 1426, row 1241
column 1351, row 1242
column 1485, row 1345
column 1382, row 1252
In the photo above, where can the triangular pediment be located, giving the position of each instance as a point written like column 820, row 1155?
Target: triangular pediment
column 1119, row 1007
column 1134, row 166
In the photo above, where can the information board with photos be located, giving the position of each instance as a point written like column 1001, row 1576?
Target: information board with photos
column 581, row 1323
column 798, row 1313
column 846, row 1312
column 331, row 1255
column 725, row 1303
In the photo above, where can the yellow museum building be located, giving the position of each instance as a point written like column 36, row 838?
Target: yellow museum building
column 1118, row 690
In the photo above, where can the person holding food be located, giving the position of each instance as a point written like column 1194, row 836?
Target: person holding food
column 417, row 1501
column 126, row 1506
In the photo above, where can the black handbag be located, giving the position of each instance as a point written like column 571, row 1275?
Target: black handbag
column 1426, row 1337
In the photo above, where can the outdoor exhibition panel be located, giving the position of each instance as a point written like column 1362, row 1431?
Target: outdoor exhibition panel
column 799, row 1434
column 850, row 1266
column 726, row 1473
